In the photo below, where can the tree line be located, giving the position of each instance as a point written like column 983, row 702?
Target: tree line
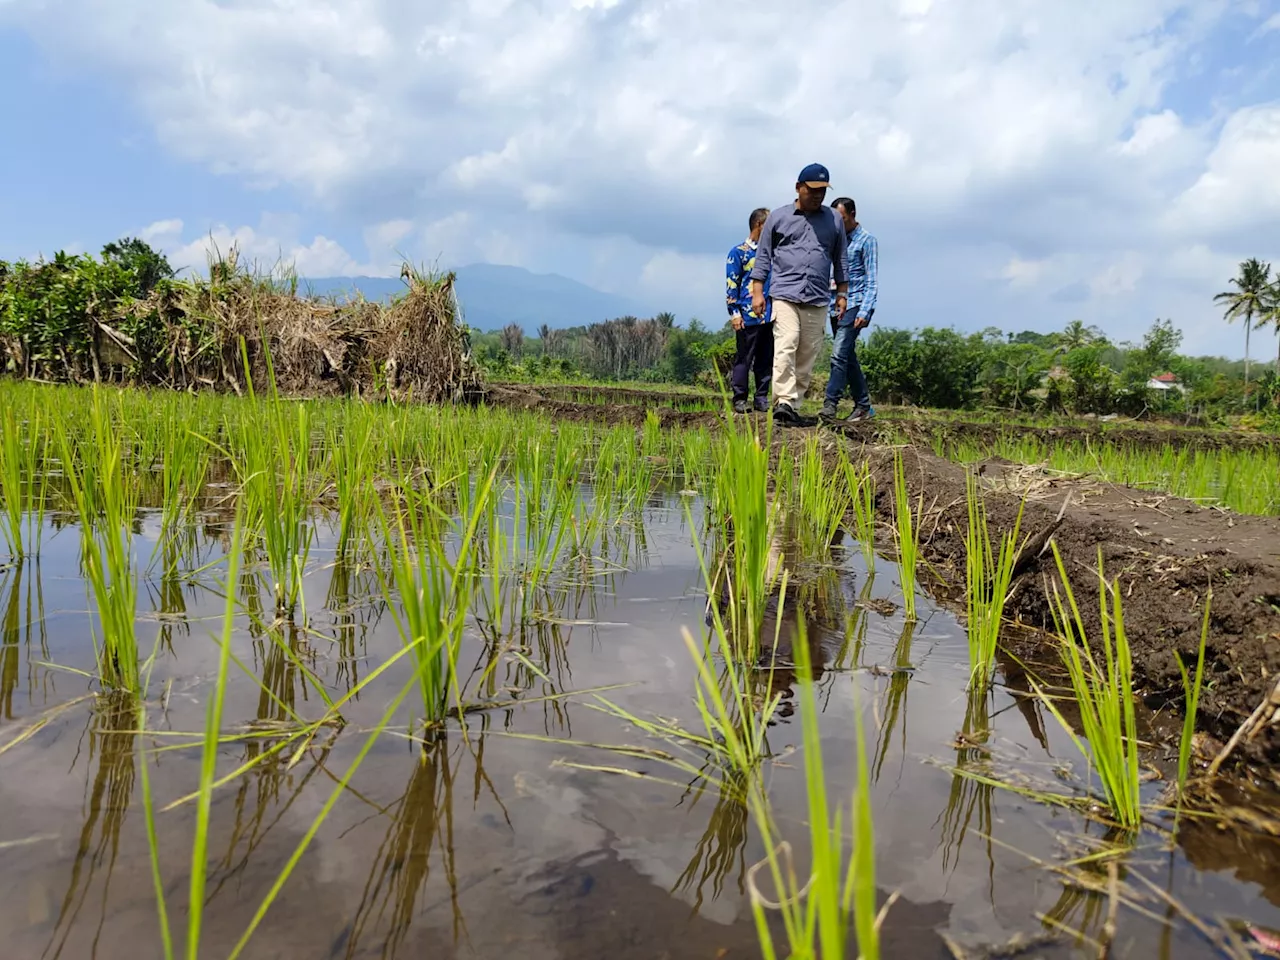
column 1076, row 370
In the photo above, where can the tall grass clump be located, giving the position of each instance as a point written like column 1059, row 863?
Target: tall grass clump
column 988, row 573
column 434, row 592
column 1103, row 689
column 23, row 481
column 838, row 898
column 106, row 500
column 905, row 535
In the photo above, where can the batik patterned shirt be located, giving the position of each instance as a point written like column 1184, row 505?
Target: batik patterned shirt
column 737, row 281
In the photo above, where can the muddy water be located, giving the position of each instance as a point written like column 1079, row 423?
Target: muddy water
column 523, row 835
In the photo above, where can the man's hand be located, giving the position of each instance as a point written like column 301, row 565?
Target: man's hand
column 737, row 321
column 861, row 323
column 757, row 303
column 842, row 304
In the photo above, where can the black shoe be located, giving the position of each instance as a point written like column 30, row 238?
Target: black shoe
column 762, row 404
column 829, row 412
column 862, row 414
column 739, row 406
column 785, row 414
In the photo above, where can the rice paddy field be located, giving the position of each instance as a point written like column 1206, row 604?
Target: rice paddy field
column 577, row 677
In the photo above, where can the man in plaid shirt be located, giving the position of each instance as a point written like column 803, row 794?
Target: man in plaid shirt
column 864, row 286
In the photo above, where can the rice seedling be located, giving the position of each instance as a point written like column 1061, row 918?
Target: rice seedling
column 184, row 463
column 905, row 533
column 838, row 898
column 1191, row 690
column 276, row 485
column 863, row 493
column 434, row 593
column 748, row 523
column 988, row 573
column 23, row 480
column 822, row 500
column 1103, row 689
column 1245, row 480
column 107, row 503
column 349, row 444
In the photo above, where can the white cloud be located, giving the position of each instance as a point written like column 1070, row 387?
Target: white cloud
column 1011, row 148
column 1151, row 132
column 1240, row 187
column 1023, row 273
column 1119, row 278
column 257, row 249
column 668, row 272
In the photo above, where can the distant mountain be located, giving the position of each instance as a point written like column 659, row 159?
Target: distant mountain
column 493, row 296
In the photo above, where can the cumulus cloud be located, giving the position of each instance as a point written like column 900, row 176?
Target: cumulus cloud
column 623, row 141
column 1240, row 189
column 259, row 248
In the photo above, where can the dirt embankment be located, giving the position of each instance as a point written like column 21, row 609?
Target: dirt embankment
column 1167, row 552
column 620, row 405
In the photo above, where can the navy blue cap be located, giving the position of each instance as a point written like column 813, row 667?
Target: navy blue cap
column 815, row 175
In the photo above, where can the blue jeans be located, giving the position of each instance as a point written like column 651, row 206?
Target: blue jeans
column 846, row 372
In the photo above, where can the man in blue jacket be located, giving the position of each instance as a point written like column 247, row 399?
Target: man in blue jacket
column 754, row 332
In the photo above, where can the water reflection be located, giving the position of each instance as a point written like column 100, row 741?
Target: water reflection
column 720, row 851
column 22, row 624
column 421, row 830
column 111, row 736
column 970, row 798
column 894, row 710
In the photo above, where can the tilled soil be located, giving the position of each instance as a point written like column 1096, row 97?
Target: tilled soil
column 1166, row 552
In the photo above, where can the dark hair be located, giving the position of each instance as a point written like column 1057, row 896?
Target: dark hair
column 845, row 203
column 758, row 216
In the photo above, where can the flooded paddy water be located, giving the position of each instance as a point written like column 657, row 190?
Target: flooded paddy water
column 546, row 816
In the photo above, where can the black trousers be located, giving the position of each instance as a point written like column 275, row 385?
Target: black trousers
column 755, row 353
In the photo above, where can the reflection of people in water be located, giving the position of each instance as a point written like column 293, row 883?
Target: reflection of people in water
column 807, row 605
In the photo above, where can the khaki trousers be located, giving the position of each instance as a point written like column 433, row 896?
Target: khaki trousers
column 798, row 329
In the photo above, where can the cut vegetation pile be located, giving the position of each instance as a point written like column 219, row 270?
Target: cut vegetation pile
column 208, row 333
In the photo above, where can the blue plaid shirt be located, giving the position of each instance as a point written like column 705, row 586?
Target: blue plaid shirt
column 737, row 282
column 863, row 258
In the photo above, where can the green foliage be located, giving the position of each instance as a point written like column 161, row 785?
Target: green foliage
column 52, row 313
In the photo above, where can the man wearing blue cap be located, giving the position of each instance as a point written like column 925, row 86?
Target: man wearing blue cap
column 801, row 246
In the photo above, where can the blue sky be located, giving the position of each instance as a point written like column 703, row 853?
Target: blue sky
column 1023, row 162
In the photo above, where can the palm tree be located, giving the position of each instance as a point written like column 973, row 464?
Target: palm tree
column 1076, row 335
column 1272, row 316
column 1248, row 301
